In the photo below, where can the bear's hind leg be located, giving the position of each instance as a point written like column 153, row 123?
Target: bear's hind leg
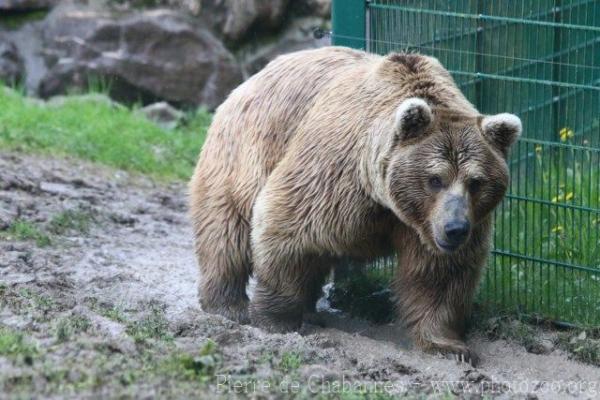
column 223, row 250
column 284, row 291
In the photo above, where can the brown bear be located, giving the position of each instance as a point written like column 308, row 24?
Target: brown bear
column 335, row 153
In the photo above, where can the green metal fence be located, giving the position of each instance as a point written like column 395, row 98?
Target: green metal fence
column 539, row 59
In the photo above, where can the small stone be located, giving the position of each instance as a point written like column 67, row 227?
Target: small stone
column 59, row 189
column 123, row 219
column 7, row 216
column 543, row 346
column 475, row 376
column 581, row 336
column 163, row 114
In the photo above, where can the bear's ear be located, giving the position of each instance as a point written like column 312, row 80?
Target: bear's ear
column 501, row 130
column 413, row 117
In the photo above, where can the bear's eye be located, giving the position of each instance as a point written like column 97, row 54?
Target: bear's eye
column 475, row 185
column 436, row 183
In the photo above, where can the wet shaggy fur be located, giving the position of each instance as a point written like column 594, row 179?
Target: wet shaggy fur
column 330, row 153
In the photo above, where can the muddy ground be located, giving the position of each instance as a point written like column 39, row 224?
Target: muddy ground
column 98, row 299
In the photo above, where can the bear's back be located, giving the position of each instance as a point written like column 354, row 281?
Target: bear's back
column 258, row 119
column 251, row 130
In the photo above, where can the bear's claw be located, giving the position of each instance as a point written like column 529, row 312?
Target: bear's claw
column 464, row 356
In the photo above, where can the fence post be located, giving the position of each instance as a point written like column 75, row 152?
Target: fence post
column 349, row 21
column 556, row 92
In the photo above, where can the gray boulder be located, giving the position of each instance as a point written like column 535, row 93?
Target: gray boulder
column 11, row 63
column 163, row 114
column 541, row 346
column 191, row 7
column 299, row 35
column 147, row 56
column 319, row 8
column 234, row 19
column 23, row 5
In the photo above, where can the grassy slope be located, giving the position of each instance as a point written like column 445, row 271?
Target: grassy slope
column 98, row 131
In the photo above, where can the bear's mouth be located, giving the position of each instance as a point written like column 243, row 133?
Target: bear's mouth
column 446, row 247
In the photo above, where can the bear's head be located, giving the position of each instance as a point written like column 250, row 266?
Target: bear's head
column 445, row 173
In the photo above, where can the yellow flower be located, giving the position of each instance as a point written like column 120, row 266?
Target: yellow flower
column 566, row 134
column 558, row 198
column 570, row 196
column 557, row 229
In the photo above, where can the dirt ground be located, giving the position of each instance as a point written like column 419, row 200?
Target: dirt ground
column 98, row 298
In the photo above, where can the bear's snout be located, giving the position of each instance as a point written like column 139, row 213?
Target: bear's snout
column 457, row 231
column 453, row 225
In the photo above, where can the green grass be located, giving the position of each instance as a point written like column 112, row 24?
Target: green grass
column 201, row 366
column 24, row 301
column 15, row 21
column 78, row 221
column 110, row 311
column 153, row 325
column 581, row 348
column 39, row 302
column 14, row 344
column 71, row 220
column 290, row 361
column 67, row 327
column 98, row 131
column 115, row 314
column 25, row 230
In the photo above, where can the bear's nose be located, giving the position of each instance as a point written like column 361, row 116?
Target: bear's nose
column 457, row 231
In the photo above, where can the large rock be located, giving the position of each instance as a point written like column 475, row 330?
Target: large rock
column 11, row 63
column 29, row 43
column 300, row 35
column 234, row 19
column 24, row 5
column 318, row 8
column 191, row 7
column 147, row 56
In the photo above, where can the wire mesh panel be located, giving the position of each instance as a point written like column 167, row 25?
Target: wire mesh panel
column 539, row 59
